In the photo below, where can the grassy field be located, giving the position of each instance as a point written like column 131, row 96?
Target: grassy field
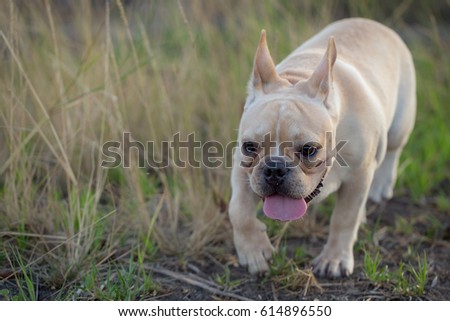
column 75, row 75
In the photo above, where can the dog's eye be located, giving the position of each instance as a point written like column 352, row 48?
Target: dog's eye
column 249, row 148
column 308, row 151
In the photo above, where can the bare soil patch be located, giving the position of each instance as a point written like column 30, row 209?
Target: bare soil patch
column 428, row 232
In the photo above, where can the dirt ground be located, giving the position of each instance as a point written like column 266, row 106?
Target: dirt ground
column 196, row 280
column 399, row 230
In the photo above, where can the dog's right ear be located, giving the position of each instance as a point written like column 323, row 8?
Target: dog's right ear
column 321, row 81
column 264, row 77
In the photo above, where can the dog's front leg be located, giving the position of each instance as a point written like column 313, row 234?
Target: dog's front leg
column 250, row 238
column 336, row 259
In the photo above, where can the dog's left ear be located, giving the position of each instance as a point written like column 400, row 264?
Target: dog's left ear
column 321, row 81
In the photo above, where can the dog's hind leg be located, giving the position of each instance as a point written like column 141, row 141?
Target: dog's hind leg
column 386, row 175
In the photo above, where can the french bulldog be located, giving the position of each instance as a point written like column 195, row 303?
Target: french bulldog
column 333, row 116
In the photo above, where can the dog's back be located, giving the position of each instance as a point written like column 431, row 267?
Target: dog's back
column 376, row 52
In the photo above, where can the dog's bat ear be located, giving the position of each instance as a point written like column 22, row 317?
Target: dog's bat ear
column 264, row 77
column 321, row 81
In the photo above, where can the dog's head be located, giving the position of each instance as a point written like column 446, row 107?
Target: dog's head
column 283, row 134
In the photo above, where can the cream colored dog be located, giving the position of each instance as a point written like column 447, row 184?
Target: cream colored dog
column 353, row 84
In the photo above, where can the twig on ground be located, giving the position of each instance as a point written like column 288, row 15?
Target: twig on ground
column 198, row 282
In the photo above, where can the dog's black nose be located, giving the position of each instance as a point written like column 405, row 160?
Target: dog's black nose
column 275, row 172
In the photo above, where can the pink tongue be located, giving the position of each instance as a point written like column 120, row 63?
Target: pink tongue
column 284, row 208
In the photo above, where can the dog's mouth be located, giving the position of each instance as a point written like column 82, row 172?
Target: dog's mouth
column 283, row 208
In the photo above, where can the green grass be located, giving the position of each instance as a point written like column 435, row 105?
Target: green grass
column 118, row 282
column 26, row 285
column 423, row 164
column 373, row 270
column 224, row 279
column 406, row 279
column 71, row 80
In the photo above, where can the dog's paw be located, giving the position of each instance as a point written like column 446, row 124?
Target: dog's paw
column 380, row 192
column 334, row 263
column 254, row 251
